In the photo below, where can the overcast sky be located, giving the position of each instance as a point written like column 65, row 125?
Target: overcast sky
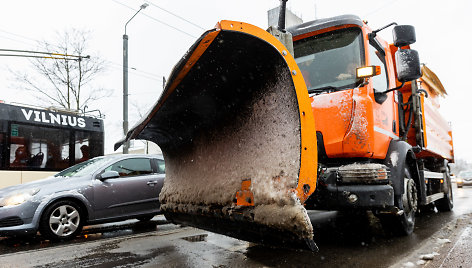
column 157, row 40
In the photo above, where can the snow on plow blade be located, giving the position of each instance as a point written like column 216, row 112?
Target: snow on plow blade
column 238, row 136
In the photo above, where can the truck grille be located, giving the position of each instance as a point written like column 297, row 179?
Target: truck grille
column 11, row 221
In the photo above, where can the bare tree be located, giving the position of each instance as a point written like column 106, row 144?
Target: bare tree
column 66, row 83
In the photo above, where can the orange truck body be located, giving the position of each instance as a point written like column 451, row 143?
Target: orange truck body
column 355, row 125
column 358, row 124
column 254, row 133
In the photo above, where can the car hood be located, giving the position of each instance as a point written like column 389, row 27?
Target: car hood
column 50, row 184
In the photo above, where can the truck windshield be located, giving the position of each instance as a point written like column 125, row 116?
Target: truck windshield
column 328, row 61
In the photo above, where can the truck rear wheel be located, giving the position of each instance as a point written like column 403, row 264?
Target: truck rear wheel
column 404, row 223
column 446, row 203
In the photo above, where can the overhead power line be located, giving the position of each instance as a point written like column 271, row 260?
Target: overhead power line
column 175, row 15
column 37, row 54
column 29, row 42
column 379, row 8
column 157, row 20
column 136, row 71
column 36, row 42
column 33, row 56
column 16, row 40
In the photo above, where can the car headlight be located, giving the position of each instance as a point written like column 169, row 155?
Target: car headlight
column 459, row 180
column 17, row 198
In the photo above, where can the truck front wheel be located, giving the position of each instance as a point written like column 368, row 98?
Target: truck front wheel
column 404, row 222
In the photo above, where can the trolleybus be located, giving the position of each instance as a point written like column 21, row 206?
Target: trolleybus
column 38, row 142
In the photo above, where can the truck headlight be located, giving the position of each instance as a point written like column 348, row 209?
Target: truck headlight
column 17, row 198
column 364, row 173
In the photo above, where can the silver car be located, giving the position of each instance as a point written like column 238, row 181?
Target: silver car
column 464, row 178
column 102, row 189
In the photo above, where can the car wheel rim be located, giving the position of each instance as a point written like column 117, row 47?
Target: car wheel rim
column 64, row 220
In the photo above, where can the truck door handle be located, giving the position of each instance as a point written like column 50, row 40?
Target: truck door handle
column 151, row 183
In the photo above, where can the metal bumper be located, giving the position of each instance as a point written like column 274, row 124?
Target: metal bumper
column 20, row 230
column 332, row 195
column 19, row 220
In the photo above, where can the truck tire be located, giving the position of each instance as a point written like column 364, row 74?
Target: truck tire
column 404, row 223
column 446, row 203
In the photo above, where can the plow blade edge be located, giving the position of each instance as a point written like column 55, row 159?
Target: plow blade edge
column 237, row 132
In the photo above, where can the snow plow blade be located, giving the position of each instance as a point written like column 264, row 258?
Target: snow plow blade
column 237, row 132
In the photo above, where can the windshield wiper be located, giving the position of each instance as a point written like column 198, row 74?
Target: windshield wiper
column 322, row 89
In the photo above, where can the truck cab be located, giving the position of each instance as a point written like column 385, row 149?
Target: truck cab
column 350, row 120
column 372, row 129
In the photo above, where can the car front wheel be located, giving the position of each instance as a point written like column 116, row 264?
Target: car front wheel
column 61, row 221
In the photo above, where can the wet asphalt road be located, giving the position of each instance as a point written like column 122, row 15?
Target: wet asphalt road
column 158, row 243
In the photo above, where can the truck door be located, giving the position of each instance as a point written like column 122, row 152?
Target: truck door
column 385, row 123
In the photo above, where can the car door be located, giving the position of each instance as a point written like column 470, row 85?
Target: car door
column 134, row 192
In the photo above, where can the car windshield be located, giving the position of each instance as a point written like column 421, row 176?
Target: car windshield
column 83, row 168
column 465, row 174
column 328, row 61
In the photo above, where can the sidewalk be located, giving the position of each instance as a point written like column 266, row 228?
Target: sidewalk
column 460, row 254
column 449, row 247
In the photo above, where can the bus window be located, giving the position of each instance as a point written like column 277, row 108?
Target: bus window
column 87, row 145
column 2, row 150
column 55, row 160
column 36, row 147
column 83, row 150
column 42, row 147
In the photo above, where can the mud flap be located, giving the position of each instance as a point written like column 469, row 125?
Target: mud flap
column 236, row 109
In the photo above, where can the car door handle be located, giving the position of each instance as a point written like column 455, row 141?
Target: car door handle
column 151, row 183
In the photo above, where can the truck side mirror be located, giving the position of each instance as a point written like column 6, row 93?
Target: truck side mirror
column 408, row 65
column 108, row 175
column 403, row 35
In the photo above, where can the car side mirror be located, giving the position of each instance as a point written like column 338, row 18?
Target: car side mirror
column 109, row 175
column 403, row 35
column 408, row 65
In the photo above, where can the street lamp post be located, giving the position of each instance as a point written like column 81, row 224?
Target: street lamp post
column 125, row 80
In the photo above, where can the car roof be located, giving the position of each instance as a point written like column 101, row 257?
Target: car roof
column 125, row 156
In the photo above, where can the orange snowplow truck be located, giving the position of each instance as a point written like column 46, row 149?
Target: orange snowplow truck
column 255, row 130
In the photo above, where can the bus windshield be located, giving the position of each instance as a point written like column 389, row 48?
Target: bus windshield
column 328, row 61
